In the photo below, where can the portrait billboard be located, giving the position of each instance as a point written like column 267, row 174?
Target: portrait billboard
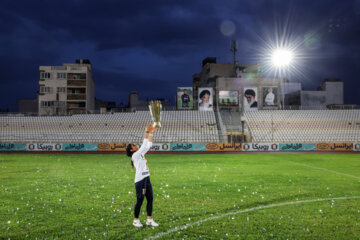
column 185, row 98
column 250, row 98
column 270, row 96
column 228, row 98
column 205, row 99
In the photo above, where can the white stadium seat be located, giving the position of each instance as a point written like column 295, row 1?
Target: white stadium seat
column 303, row 126
column 177, row 126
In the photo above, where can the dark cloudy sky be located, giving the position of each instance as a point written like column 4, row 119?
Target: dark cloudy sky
column 155, row 46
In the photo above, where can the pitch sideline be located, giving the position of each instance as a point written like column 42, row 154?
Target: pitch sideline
column 324, row 169
column 159, row 235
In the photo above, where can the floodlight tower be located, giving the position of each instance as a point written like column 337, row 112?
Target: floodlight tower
column 233, row 49
column 281, row 59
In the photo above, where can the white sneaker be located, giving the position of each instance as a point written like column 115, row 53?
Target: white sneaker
column 151, row 222
column 137, row 223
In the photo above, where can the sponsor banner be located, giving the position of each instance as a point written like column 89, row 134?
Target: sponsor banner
column 160, row 147
column 43, row 147
column 323, row 146
column 338, row 147
column 185, row 98
column 112, row 147
column 187, row 147
column 12, row 147
column 356, row 147
column 260, row 147
column 223, row 147
column 79, row 147
column 297, row 147
column 205, row 99
column 342, row 147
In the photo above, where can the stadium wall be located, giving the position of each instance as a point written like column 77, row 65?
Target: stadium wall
column 181, row 147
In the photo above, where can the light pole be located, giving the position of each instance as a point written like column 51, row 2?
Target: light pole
column 281, row 59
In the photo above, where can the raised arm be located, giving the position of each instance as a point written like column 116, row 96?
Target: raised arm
column 147, row 130
column 151, row 129
column 147, row 143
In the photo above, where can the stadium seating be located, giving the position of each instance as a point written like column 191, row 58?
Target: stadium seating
column 304, row 125
column 293, row 126
column 177, row 126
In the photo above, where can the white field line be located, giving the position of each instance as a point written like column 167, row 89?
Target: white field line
column 325, row 169
column 159, row 235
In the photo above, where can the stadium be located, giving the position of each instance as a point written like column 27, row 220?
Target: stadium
column 309, row 191
column 240, row 151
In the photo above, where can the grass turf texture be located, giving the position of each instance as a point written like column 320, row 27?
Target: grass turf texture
column 92, row 196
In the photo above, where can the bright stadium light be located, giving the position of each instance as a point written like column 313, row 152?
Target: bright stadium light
column 282, row 52
column 281, row 57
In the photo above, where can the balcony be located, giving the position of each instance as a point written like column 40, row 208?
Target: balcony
column 76, row 105
column 76, row 83
column 75, row 108
column 76, row 97
column 76, row 76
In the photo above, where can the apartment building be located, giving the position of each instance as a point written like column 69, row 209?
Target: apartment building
column 66, row 89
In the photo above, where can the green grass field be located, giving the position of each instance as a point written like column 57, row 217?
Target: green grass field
column 206, row 196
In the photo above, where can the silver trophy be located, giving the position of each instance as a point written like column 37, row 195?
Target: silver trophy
column 155, row 110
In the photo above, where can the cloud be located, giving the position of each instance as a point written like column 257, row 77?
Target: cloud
column 120, row 24
column 117, row 86
column 16, row 82
column 153, row 47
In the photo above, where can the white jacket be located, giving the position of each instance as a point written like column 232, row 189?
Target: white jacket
column 140, row 162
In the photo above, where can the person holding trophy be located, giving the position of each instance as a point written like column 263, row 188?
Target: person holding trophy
column 143, row 185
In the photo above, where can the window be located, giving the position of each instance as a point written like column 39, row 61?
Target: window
column 60, row 89
column 77, row 76
column 45, row 89
column 77, row 105
column 45, row 75
column 59, row 104
column 75, row 91
column 61, row 75
column 46, row 103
